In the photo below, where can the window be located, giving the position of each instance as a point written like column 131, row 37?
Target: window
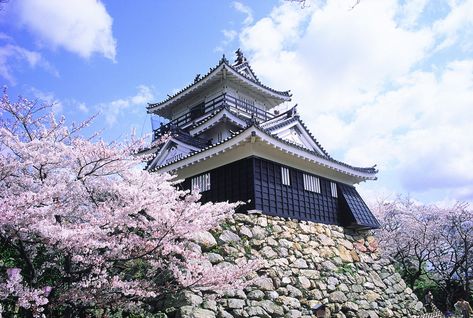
column 311, row 183
column 197, row 111
column 286, row 179
column 201, row 183
column 333, row 188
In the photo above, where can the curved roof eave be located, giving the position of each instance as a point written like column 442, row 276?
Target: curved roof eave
column 213, row 119
column 282, row 95
column 282, row 120
column 358, row 172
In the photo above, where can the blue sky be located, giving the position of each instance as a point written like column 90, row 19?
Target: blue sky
column 388, row 82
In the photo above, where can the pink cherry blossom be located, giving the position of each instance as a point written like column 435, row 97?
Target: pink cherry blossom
column 87, row 227
column 430, row 242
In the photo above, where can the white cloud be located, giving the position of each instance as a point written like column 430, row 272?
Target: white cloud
column 5, row 37
column 228, row 37
column 420, row 132
column 370, row 87
column 83, row 27
column 12, row 57
column 275, row 33
column 59, row 105
column 359, row 49
column 83, row 107
column 246, row 10
column 456, row 26
column 112, row 110
column 411, row 11
column 48, row 98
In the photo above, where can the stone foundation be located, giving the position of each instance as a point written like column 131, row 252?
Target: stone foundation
column 305, row 265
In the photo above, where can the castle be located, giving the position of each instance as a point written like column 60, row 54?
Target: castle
column 228, row 139
column 232, row 138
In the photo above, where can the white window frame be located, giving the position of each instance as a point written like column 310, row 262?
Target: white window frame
column 201, row 183
column 311, row 183
column 333, row 189
column 285, row 176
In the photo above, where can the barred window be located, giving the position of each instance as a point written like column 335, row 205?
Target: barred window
column 201, row 183
column 311, row 183
column 286, row 179
column 333, row 188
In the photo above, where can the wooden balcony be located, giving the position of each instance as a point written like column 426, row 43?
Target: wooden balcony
column 223, row 101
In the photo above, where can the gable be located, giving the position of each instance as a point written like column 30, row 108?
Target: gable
column 245, row 70
column 295, row 133
column 248, row 73
column 173, row 150
column 212, row 121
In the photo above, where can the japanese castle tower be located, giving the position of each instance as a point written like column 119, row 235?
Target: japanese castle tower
column 225, row 138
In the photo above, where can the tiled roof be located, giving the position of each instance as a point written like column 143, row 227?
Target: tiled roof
column 370, row 170
column 223, row 61
column 233, row 135
column 185, row 137
column 241, row 66
column 360, row 169
column 215, row 113
column 278, row 124
column 358, row 208
column 285, row 119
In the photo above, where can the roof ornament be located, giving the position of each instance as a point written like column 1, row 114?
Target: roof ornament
column 293, row 112
column 222, row 60
column 197, row 78
column 240, row 59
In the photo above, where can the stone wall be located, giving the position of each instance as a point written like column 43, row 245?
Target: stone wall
column 305, row 265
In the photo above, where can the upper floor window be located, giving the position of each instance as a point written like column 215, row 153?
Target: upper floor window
column 311, row 183
column 197, row 111
column 333, row 188
column 286, row 178
column 201, row 183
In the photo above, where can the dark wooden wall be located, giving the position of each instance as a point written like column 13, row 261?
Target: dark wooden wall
column 274, row 198
column 232, row 182
column 259, row 181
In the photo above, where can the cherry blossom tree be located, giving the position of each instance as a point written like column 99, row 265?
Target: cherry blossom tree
column 82, row 226
column 428, row 242
column 451, row 261
column 408, row 235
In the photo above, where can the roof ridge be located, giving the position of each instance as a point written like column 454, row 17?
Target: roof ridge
column 296, row 117
column 361, row 169
column 233, row 135
column 313, row 138
column 369, row 170
column 223, row 61
column 241, row 66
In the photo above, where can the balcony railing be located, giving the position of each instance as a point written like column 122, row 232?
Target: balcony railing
column 219, row 102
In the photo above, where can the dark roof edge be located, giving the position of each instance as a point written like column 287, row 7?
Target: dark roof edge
column 223, row 61
column 371, row 170
column 304, row 126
